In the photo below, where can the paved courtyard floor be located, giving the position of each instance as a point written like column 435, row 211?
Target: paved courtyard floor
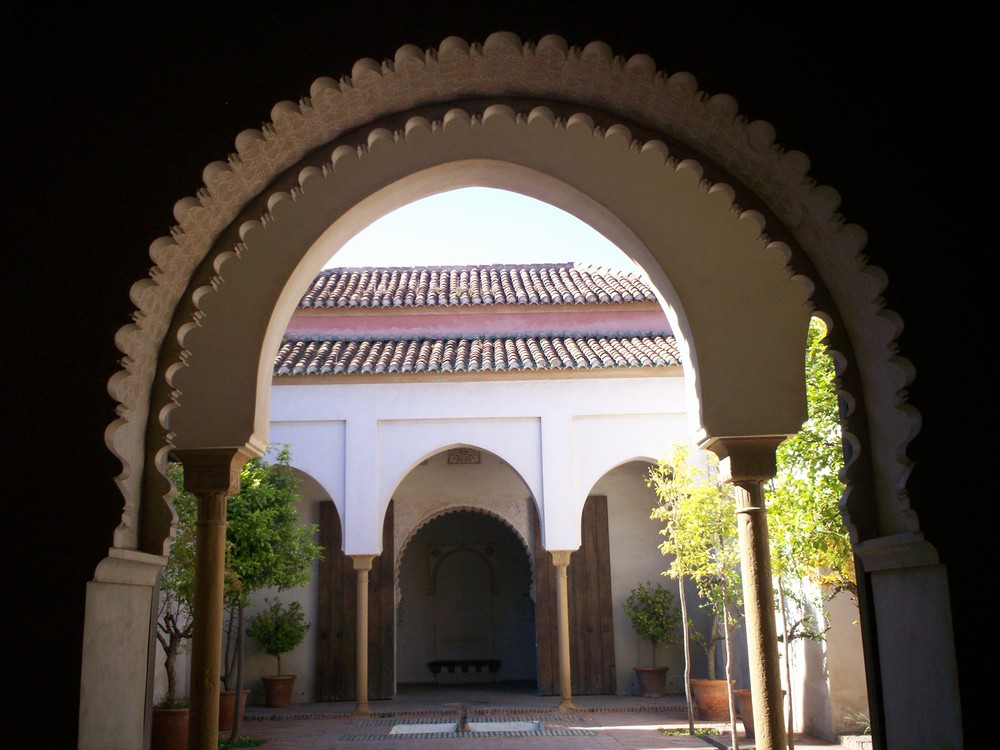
column 511, row 717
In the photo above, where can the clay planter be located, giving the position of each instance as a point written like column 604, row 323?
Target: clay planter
column 170, row 729
column 227, row 707
column 652, row 681
column 278, row 689
column 744, row 710
column 712, row 699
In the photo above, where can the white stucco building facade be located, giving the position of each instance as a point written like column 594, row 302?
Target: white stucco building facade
column 487, row 458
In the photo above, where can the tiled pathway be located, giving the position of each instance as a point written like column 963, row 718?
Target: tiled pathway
column 598, row 723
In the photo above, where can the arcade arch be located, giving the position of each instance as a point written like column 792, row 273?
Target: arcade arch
column 465, row 593
column 739, row 242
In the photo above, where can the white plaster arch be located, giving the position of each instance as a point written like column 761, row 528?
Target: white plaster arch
column 611, row 466
column 240, row 238
column 407, row 521
column 504, row 66
column 694, row 227
column 515, row 443
column 596, row 457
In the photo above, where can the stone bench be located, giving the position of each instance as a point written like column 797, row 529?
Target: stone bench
column 450, row 666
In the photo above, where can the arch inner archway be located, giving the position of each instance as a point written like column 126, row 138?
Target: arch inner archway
column 741, row 245
column 465, row 594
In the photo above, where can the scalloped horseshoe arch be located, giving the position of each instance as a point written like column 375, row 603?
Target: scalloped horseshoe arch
column 740, row 243
column 398, row 594
column 261, row 213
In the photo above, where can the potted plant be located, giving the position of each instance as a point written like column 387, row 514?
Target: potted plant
column 699, row 513
column 655, row 618
column 278, row 629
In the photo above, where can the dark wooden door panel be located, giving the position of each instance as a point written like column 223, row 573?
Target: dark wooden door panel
column 336, row 648
column 592, row 641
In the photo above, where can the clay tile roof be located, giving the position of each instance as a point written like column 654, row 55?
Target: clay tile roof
column 484, row 354
column 444, row 286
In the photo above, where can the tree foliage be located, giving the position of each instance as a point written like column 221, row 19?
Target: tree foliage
column 278, row 628
column 175, row 618
column 266, row 545
column 653, row 614
column 807, row 534
column 698, row 511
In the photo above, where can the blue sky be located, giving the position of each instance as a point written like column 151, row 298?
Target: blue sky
column 479, row 225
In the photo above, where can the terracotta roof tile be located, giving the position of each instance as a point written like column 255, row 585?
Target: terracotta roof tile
column 437, row 286
column 330, row 357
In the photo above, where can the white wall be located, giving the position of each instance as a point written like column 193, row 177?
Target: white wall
column 846, row 666
column 360, row 440
column 550, row 442
column 636, row 558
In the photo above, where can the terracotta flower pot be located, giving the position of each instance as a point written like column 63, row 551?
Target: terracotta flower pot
column 169, row 729
column 652, row 681
column 744, row 710
column 227, row 707
column 712, row 699
column 278, row 689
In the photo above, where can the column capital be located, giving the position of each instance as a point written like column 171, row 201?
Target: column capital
column 746, row 459
column 212, row 470
column 560, row 557
column 362, row 562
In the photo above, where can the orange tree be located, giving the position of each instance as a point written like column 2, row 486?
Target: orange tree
column 266, row 546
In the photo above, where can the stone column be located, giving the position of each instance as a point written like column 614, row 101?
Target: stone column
column 212, row 475
column 362, row 564
column 118, row 651
column 748, row 463
column 560, row 558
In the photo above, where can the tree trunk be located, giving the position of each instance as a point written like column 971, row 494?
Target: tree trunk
column 238, row 713
column 169, row 664
column 788, row 665
column 228, row 654
column 687, row 656
column 729, row 674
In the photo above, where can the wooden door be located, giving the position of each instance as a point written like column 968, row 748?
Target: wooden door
column 336, row 648
column 591, row 624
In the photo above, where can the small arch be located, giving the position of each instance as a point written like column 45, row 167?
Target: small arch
column 458, row 509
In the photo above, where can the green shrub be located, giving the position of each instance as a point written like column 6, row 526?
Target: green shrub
column 653, row 614
column 278, row 629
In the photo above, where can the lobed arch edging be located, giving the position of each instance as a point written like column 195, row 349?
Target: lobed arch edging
column 631, row 88
column 440, row 512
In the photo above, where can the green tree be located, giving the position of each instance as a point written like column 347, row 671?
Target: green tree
column 266, row 546
column 653, row 614
column 278, row 628
column 175, row 621
column 698, row 511
column 807, row 534
column 808, row 540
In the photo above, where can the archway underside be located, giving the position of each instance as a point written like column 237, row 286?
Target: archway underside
column 735, row 235
column 244, row 200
